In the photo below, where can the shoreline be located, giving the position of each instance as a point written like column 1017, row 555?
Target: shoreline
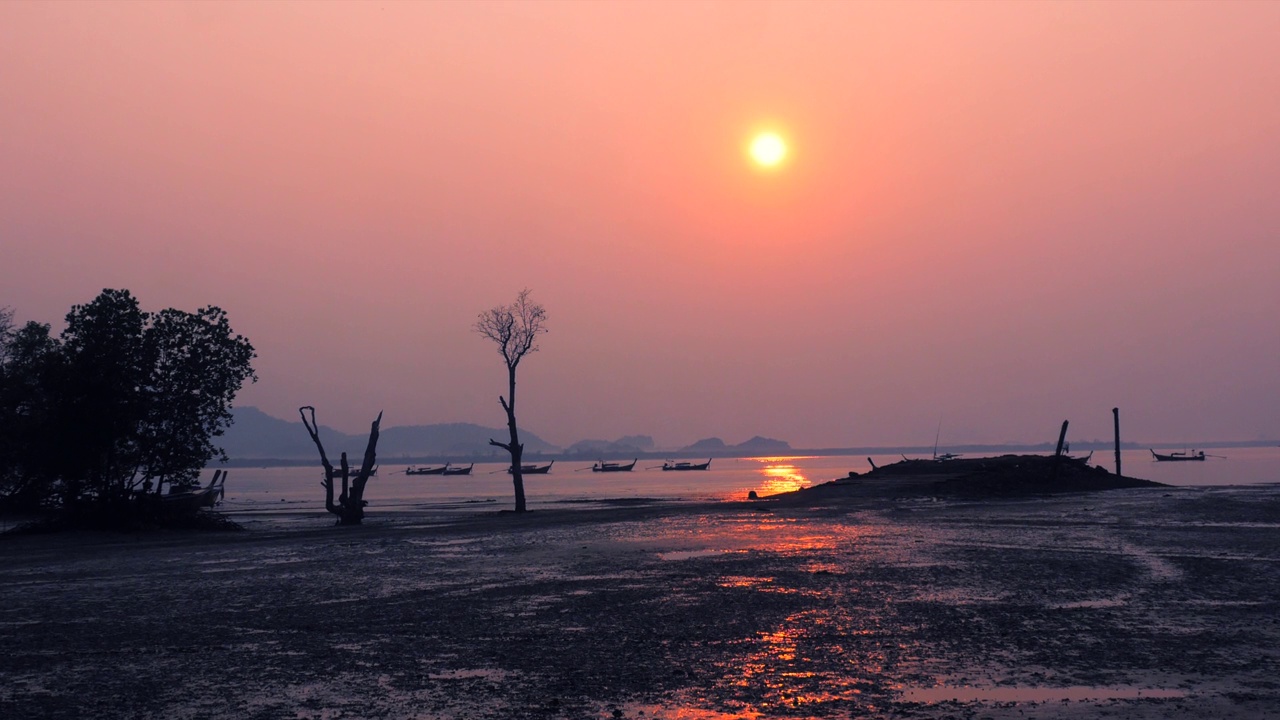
column 685, row 454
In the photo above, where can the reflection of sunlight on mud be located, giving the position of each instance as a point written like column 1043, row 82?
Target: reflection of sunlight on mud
column 805, row 665
column 658, row 712
column 741, row 581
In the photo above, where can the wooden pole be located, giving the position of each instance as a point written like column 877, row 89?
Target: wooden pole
column 1057, row 454
column 1116, row 413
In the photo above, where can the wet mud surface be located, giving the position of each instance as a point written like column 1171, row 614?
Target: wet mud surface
column 1124, row 604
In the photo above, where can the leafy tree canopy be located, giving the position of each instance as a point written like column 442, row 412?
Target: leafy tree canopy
column 121, row 402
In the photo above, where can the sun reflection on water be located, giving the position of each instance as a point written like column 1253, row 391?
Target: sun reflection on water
column 780, row 476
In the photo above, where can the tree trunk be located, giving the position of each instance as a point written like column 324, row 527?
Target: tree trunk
column 514, row 447
column 350, row 504
column 517, row 450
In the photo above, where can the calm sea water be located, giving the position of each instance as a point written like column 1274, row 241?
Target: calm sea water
column 297, row 489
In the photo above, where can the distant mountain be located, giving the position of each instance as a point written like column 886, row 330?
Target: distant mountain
column 755, row 446
column 640, row 442
column 256, row 435
column 758, row 445
column 627, row 445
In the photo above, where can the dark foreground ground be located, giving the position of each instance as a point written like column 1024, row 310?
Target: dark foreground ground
column 1137, row 603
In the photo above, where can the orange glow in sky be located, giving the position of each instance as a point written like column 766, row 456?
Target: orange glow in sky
column 1000, row 214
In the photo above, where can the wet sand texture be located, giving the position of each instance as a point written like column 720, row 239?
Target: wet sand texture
column 1132, row 603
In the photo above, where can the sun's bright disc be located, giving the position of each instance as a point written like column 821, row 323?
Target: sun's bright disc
column 768, row 149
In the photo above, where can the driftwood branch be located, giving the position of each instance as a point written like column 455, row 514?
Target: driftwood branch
column 368, row 462
column 349, row 506
column 313, row 429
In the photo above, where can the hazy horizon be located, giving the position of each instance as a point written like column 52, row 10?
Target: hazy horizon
column 993, row 216
column 1130, row 443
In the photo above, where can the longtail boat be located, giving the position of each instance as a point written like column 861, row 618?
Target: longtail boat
column 686, row 465
column 603, row 466
column 534, row 469
column 188, row 497
column 428, row 470
column 1178, row 456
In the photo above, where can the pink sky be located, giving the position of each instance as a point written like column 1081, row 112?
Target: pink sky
column 996, row 215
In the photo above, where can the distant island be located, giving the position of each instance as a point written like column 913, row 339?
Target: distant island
column 257, row 439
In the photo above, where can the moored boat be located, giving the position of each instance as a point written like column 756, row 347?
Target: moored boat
column 1178, row 456
column 534, row 469
column 428, row 470
column 193, row 498
column 603, row 466
column 686, row 465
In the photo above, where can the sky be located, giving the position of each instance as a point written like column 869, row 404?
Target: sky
column 992, row 217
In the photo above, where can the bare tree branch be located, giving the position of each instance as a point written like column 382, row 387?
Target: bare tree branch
column 514, row 329
column 350, row 503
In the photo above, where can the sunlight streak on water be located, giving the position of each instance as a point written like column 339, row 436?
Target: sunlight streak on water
column 780, row 478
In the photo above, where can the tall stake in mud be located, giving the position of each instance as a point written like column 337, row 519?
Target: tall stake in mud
column 1057, row 454
column 1116, row 413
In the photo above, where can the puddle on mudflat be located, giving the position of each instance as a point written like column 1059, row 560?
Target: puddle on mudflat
column 443, row 543
column 688, row 554
column 1019, row 694
column 1111, row 602
column 491, row 674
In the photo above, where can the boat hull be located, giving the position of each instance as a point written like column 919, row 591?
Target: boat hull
column 613, row 467
column 535, row 469
column 426, row 471
column 682, row 466
column 1178, row 457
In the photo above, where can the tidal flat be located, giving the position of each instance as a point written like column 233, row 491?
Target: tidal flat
column 1137, row 603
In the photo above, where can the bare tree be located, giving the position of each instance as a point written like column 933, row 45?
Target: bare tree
column 350, row 505
column 515, row 329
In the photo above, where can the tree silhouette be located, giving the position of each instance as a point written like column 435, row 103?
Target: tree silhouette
column 350, row 503
column 515, row 329
column 121, row 402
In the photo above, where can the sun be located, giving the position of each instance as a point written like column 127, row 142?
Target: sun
column 767, row 150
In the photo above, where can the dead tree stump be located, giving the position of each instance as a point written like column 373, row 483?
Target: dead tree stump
column 349, row 506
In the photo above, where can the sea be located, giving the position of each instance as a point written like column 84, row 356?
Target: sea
column 572, row 483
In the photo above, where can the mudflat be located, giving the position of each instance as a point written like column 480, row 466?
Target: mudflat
column 1130, row 603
